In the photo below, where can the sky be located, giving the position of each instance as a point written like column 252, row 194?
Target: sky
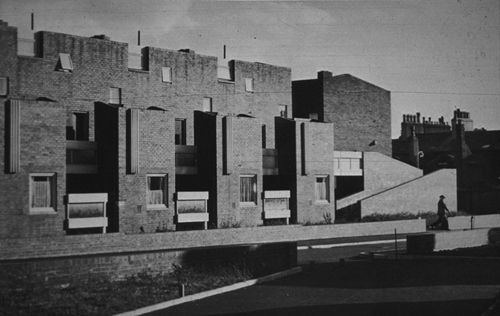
column 433, row 55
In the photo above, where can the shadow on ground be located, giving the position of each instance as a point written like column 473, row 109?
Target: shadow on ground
column 468, row 307
column 397, row 273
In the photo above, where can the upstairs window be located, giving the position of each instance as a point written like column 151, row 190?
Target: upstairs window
column 115, row 95
column 248, row 189
column 180, row 131
column 65, row 63
column 79, row 128
column 207, row 105
column 166, row 74
column 157, row 190
column 322, row 188
column 42, row 192
column 283, row 111
column 4, row 86
column 249, row 84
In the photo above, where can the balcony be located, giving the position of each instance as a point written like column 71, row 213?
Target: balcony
column 276, row 204
column 87, row 210
column 81, row 157
column 191, row 207
column 185, row 159
column 270, row 162
column 348, row 163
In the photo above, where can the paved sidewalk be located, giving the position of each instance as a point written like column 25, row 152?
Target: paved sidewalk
column 427, row 286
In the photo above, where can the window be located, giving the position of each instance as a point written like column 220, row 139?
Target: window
column 207, row 104
column 42, row 192
column 4, row 86
column 157, row 190
column 322, row 189
column 65, row 63
column 180, row 131
column 283, row 111
column 249, row 84
column 79, row 128
column 248, row 189
column 166, row 74
column 115, row 95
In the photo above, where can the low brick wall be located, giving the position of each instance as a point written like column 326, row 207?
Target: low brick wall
column 473, row 222
column 259, row 259
column 82, row 245
column 447, row 240
column 67, row 259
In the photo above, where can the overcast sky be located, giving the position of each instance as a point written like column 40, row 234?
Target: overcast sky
column 434, row 56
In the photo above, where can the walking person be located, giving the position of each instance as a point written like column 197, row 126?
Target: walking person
column 442, row 221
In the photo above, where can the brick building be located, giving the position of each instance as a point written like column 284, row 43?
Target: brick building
column 359, row 110
column 169, row 146
column 90, row 145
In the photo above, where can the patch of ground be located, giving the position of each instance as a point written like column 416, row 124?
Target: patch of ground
column 99, row 296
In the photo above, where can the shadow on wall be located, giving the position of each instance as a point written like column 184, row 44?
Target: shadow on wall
column 348, row 214
column 257, row 259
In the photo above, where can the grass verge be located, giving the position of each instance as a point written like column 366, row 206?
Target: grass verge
column 102, row 296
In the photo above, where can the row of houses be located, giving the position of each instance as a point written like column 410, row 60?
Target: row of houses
column 91, row 145
column 474, row 153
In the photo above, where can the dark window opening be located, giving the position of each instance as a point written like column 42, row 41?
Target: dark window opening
column 79, row 127
column 180, row 131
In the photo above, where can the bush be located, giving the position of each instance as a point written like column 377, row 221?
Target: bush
column 382, row 217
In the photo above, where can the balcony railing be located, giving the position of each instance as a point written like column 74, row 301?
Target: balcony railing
column 81, row 157
column 87, row 210
column 277, row 204
column 191, row 207
column 270, row 161
column 186, row 159
column 348, row 163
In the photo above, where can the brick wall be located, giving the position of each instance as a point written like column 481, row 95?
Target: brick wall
column 360, row 111
column 246, row 160
column 99, row 64
column 265, row 258
column 42, row 150
column 317, row 142
column 419, row 195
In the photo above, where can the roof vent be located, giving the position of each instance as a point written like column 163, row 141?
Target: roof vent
column 186, row 50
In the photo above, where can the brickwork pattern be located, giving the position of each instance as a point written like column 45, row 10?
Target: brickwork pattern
column 100, row 64
column 43, row 150
column 360, row 111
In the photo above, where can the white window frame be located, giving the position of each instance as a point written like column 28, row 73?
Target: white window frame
column 65, row 62
column 249, row 85
column 4, row 83
column 210, row 104
column 253, row 201
column 111, row 100
column 166, row 74
column 164, row 204
column 327, row 189
column 53, row 198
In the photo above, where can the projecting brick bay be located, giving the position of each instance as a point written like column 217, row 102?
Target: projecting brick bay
column 422, row 286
